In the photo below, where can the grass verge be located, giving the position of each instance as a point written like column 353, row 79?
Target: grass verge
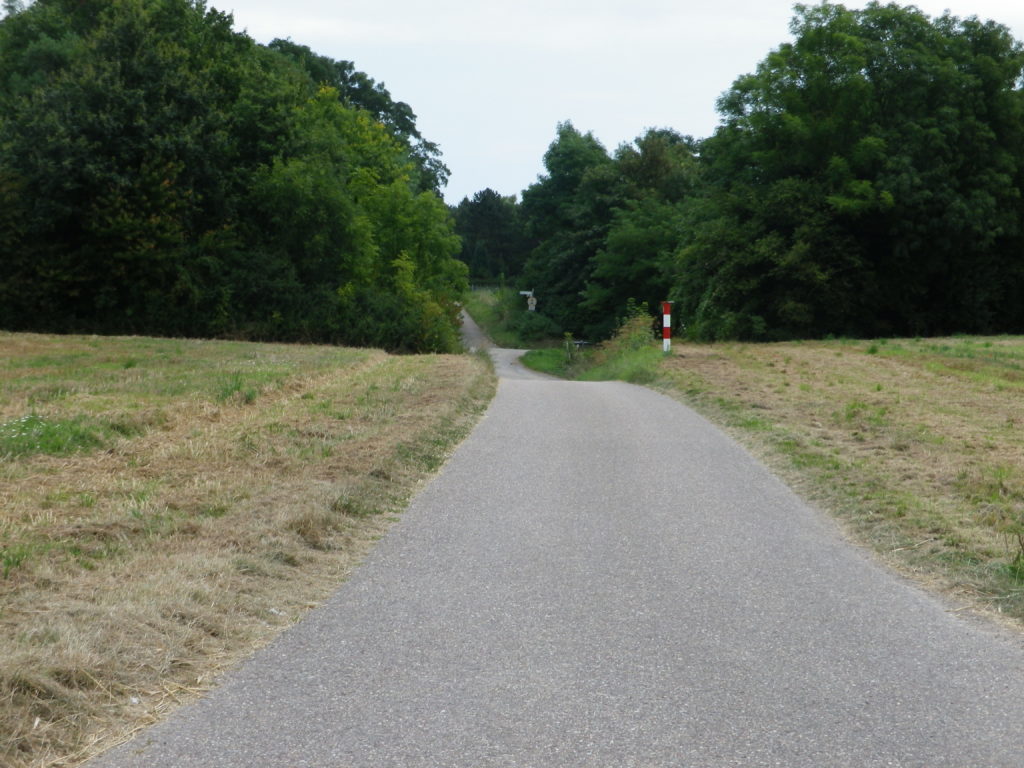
column 628, row 356
column 167, row 506
column 916, row 445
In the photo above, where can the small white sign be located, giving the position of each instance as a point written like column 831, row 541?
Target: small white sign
column 531, row 303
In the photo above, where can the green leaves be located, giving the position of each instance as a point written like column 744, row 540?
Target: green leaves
column 168, row 176
column 874, row 165
column 494, row 241
column 607, row 226
column 356, row 89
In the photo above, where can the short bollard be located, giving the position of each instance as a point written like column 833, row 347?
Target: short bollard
column 666, row 326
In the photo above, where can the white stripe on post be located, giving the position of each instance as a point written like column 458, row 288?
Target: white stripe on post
column 666, row 325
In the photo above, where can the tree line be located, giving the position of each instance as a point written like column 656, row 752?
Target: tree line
column 163, row 174
column 865, row 180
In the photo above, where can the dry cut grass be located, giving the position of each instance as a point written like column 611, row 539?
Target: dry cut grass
column 168, row 506
column 917, row 444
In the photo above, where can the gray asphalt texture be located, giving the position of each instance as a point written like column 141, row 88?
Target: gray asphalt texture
column 600, row 578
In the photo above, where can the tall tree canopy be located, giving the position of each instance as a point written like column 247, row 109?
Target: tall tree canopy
column 657, row 173
column 568, row 212
column 494, row 240
column 359, row 90
column 865, row 181
column 163, row 174
column 607, row 225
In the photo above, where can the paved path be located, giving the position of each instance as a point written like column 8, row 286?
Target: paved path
column 473, row 338
column 600, row 578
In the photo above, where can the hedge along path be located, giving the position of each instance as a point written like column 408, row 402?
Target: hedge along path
column 229, row 489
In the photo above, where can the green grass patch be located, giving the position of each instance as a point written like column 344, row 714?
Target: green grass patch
column 638, row 366
column 245, row 387
column 552, row 361
column 630, row 355
column 32, row 434
column 235, row 387
column 12, row 557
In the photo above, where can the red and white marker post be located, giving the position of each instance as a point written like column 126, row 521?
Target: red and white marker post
column 666, row 326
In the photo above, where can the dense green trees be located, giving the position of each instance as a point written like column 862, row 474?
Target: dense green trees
column 655, row 175
column 357, row 89
column 865, row 180
column 568, row 212
column 494, row 239
column 163, row 174
column 606, row 225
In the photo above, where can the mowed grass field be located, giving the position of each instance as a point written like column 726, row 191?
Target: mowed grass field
column 917, row 445
column 167, row 506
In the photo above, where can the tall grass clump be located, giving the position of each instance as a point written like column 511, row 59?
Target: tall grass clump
column 631, row 354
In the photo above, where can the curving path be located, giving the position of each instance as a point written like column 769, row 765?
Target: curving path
column 600, row 578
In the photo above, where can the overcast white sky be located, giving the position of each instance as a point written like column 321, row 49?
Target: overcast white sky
column 489, row 82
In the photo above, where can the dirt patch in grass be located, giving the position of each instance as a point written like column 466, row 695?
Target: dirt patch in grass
column 917, row 445
column 223, row 491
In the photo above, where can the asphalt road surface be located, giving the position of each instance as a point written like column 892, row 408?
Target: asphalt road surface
column 600, row 578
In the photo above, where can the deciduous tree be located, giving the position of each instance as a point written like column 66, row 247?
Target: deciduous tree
column 865, row 180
